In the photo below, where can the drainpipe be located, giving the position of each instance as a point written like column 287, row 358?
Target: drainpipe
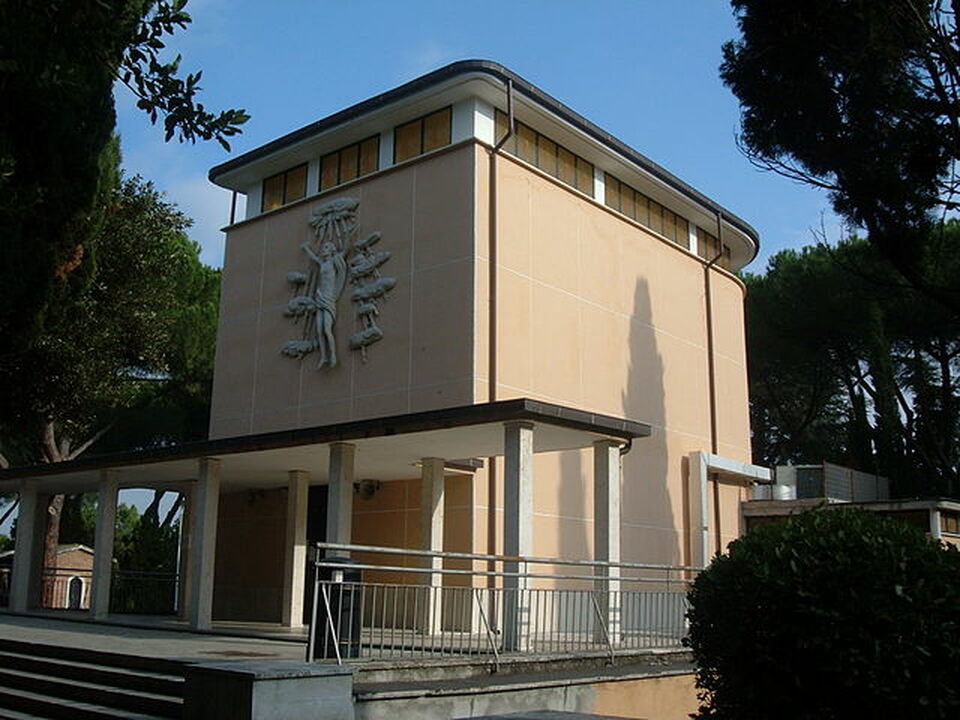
column 233, row 207
column 492, row 334
column 712, row 385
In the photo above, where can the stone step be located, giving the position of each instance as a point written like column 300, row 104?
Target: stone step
column 89, row 692
column 18, row 704
column 141, row 680
column 83, row 656
column 14, row 715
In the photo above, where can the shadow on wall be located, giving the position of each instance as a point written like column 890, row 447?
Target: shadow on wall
column 648, row 530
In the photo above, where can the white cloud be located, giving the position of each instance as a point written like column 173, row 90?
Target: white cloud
column 424, row 58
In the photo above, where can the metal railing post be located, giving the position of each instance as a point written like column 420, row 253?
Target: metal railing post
column 603, row 626
column 312, row 630
column 486, row 625
column 333, row 630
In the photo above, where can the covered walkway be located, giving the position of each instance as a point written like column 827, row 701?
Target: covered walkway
column 340, row 457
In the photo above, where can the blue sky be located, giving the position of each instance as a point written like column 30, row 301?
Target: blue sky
column 644, row 70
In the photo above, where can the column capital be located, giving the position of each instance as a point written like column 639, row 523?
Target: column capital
column 208, row 464
column 518, row 424
column 607, row 443
column 108, row 474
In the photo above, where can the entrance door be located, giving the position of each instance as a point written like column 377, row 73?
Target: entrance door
column 316, row 532
column 75, row 594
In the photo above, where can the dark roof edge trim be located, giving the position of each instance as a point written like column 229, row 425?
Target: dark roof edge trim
column 464, row 415
column 498, row 71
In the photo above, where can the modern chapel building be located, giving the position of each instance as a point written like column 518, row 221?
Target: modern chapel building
column 555, row 264
column 457, row 316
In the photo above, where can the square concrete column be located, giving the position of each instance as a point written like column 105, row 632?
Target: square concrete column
column 340, row 494
column 431, row 538
column 28, row 551
column 697, row 476
column 103, row 544
column 203, row 544
column 187, row 525
column 295, row 556
column 606, row 535
column 936, row 531
column 517, row 530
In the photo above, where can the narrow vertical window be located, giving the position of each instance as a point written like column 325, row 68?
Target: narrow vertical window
column 643, row 209
column 611, row 191
column 628, row 203
column 329, row 171
column 407, row 141
column 526, row 143
column 656, row 217
column 296, row 184
column 585, row 176
column 272, row 193
column 283, row 188
column 683, row 232
column 669, row 226
column 547, row 155
column 370, row 155
column 349, row 163
column 436, row 129
column 707, row 245
column 567, row 166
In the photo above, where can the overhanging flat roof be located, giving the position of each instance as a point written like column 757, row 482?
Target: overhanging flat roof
column 526, row 88
column 388, row 448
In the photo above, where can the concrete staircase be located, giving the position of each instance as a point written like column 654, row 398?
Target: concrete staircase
column 46, row 681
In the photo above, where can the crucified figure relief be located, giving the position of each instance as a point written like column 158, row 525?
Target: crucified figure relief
column 337, row 256
column 331, row 279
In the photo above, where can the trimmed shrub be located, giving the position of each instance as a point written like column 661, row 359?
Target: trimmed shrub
column 831, row 614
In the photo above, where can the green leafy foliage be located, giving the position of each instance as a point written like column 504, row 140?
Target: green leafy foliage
column 859, row 97
column 849, row 364
column 142, row 542
column 59, row 65
column 829, row 615
column 138, row 335
column 160, row 92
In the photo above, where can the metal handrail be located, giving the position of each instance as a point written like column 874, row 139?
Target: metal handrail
column 503, row 558
column 494, row 573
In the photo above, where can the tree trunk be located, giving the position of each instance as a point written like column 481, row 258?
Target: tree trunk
column 50, row 543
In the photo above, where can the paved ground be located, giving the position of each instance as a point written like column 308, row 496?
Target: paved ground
column 151, row 642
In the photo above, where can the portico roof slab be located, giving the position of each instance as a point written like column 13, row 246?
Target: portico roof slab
column 388, row 448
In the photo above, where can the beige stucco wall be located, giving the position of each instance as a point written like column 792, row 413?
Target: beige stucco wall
column 424, row 211
column 599, row 313
column 664, row 697
column 670, row 697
